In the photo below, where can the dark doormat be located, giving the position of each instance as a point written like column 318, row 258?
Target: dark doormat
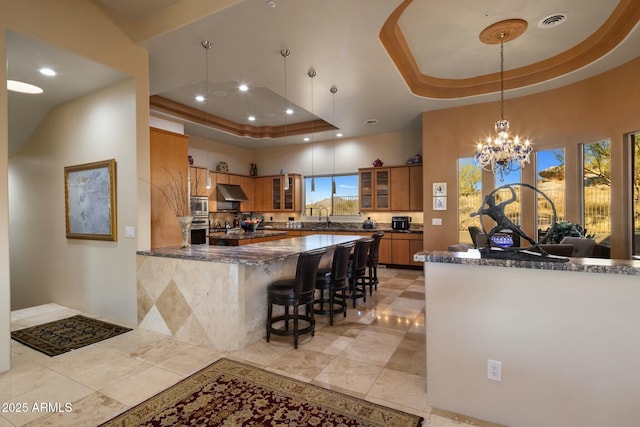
column 61, row 336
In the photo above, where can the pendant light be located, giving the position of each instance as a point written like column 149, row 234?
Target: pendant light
column 333, row 91
column 312, row 74
column 207, row 45
column 287, row 111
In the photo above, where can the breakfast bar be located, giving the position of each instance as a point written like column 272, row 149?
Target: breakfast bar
column 216, row 295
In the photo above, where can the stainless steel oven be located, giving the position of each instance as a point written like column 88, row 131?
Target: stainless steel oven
column 200, row 229
column 199, row 206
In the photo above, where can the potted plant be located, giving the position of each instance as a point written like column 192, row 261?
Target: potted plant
column 563, row 229
column 176, row 194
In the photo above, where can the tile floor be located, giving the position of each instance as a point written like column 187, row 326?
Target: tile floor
column 377, row 353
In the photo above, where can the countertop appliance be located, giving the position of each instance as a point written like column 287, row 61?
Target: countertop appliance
column 400, row 223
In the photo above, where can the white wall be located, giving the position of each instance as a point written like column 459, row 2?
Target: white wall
column 569, row 344
column 83, row 29
column 93, row 276
column 5, row 303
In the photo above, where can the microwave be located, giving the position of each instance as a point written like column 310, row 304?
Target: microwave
column 199, row 205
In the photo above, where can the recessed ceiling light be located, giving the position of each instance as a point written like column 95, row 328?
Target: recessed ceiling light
column 47, row 72
column 243, row 87
column 252, row 118
column 371, row 121
column 220, row 93
column 271, row 3
column 289, row 111
column 306, row 139
column 339, row 135
column 200, row 98
column 22, row 87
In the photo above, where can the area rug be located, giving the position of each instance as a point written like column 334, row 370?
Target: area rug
column 61, row 336
column 230, row 393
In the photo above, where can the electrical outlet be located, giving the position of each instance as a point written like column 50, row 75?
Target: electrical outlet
column 494, row 370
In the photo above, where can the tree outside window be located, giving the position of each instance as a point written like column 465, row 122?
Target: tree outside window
column 596, row 175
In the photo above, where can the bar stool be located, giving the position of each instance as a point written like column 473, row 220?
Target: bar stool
column 295, row 292
column 372, row 262
column 332, row 283
column 358, row 270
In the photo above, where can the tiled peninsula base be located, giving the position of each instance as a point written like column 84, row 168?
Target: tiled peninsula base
column 216, row 295
column 214, row 304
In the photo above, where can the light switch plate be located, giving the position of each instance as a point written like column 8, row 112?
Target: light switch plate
column 130, row 232
column 436, row 221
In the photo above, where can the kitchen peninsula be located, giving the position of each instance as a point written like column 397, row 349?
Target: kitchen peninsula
column 567, row 335
column 217, row 295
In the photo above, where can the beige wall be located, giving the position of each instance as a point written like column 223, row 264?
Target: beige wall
column 97, row 277
column 605, row 106
column 81, row 28
column 568, row 342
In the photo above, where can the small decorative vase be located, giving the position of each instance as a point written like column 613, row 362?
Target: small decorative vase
column 185, row 227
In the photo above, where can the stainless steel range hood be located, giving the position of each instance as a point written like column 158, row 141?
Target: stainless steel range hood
column 231, row 193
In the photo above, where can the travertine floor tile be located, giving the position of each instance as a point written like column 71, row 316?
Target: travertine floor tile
column 138, row 387
column 378, row 353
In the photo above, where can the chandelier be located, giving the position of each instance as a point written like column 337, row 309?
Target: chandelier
column 503, row 152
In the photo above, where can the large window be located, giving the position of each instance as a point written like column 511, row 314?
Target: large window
column 635, row 156
column 512, row 210
column 344, row 201
column 469, row 196
column 551, row 181
column 596, row 178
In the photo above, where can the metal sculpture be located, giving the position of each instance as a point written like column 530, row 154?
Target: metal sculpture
column 496, row 211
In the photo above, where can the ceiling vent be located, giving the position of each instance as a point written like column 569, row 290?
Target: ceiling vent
column 553, row 20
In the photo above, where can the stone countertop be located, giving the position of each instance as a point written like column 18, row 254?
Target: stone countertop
column 253, row 254
column 584, row 265
column 244, row 235
column 334, row 226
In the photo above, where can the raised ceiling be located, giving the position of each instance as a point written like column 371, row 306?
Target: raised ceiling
column 390, row 59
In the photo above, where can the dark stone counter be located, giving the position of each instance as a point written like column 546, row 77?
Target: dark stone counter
column 585, row 265
column 253, row 254
column 244, row 235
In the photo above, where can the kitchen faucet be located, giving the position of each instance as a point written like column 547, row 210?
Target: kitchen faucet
column 320, row 215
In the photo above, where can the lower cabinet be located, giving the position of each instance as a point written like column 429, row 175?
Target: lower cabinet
column 403, row 246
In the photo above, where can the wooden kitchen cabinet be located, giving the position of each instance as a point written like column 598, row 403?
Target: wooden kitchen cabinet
column 397, row 188
column 374, row 189
column 416, row 202
column 286, row 200
column 198, row 181
column 262, row 194
column 403, row 246
column 168, row 155
column 248, row 186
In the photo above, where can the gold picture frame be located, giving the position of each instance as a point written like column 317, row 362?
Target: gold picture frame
column 90, row 201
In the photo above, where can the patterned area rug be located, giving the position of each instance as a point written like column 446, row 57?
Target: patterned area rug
column 230, row 393
column 68, row 334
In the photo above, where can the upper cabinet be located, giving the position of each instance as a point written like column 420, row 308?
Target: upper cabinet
column 374, row 189
column 286, row 196
column 397, row 188
column 198, row 181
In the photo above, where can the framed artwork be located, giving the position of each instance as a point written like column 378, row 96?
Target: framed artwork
column 439, row 203
column 90, row 201
column 439, row 189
